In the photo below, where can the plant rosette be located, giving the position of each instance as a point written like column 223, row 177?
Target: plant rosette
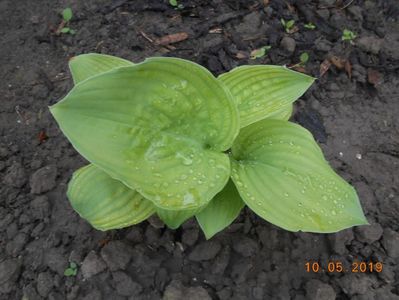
column 165, row 136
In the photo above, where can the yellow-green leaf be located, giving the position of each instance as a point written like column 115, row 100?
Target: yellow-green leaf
column 159, row 127
column 87, row 65
column 221, row 211
column 174, row 218
column 281, row 174
column 260, row 91
column 104, row 202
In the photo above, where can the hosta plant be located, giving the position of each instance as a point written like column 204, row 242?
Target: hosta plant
column 166, row 137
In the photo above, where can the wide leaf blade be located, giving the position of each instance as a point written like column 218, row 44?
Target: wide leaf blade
column 221, row 211
column 262, row 90
column 87, row 65
column 281, row 174
column 104, row 202
column 174, row 218
column 158, row 126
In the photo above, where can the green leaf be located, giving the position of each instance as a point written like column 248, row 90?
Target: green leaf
column 174, row 218
column 281, row 174
column 260, row 91
column 283, row 113
column 158, row 126
column 65, row 30
column 87, row 65
column 173, row 3
column 105, row 202
column 258, row 53
column 73, row 265
column 304, row 58
column 221, row 211
column 70, row 272
column 289, row 24
column 67, row 14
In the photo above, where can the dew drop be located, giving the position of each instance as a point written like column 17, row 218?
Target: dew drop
column 300, row 204
column 286, row 194
column 165, row 184
column 252, row 198
column 333, row 212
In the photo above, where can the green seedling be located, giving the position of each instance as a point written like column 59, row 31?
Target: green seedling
column 288, row 25
column 175, row 4
column 66, row 17
column 304, row 57
column 72, row 270
column 348, row 35
column 165, row 136
column 310, row 26
column 258, row 53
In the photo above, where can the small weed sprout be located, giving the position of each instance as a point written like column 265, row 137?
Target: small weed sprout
column 66, row 18
column 175, row 4
column 304, row 57
column 348, row 35
column 310, row 26
column 258, row 53
column 288, row 25
column 72, row 270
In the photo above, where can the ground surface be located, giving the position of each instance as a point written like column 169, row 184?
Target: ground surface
column 355, row 119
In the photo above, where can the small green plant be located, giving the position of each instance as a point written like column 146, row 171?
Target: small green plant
column 66, row 17
column 348, row 35
column 175, row 4
column 258, row 53
column 310, row 26
column 304, row 57
column 72, row 270
column 288, row 25
column 165, row 136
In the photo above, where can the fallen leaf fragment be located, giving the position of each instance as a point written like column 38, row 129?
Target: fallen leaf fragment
column 324, row 66
column 338, row 62
column 171, row 38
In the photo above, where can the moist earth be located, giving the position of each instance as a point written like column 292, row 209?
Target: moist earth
column 352, row 110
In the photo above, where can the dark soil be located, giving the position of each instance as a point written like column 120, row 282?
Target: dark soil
column 355, row 119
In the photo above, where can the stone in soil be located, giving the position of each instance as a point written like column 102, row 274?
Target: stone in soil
column 55, row 260
column 190, row 236
column 221, row 261
column 43, row 180
column 44, row 283
column 205, row 251
column 369, row 234
column 9, row 273
column 352, row 285
column 177, row 291
column 288, row 44
column 40, row 207
column 340, row 240
column 17, row 244
column 117, row 255
column 390, row 241
column 317, row 290
column 245, row 246
column 125, row 286
column 15, row 175
column 369, row 44
column 92, row 265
